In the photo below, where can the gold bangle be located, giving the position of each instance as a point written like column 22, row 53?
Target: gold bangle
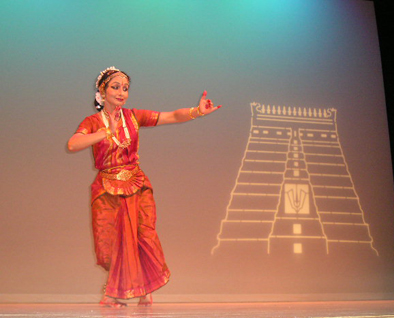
column 190, row 113
column 109, row 134
column 199, row 111
column 107, row 131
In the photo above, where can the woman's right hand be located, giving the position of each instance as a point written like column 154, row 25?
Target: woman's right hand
column 113, row 119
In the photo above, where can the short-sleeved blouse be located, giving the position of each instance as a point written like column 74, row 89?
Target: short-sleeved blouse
column 106, row 153
column 109, row 157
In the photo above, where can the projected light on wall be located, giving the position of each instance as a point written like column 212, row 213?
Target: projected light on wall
column 294, row 193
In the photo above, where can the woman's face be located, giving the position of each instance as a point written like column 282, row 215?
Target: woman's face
column 117, row 91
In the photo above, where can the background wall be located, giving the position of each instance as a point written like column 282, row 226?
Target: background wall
column 301, row 53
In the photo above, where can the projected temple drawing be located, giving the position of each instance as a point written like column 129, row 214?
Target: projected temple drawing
column 294, row 192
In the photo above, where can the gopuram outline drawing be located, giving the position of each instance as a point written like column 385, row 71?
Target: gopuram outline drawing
column 294, row 192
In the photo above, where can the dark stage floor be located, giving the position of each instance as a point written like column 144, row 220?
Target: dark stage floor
column 365, row 309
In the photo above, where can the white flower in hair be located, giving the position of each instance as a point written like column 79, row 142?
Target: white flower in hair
column 111, row 68
column 99, row 99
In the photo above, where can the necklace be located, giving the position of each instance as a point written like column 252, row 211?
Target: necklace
column 117, row 117
column 125, row 143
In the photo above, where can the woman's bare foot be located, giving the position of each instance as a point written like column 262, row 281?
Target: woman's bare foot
column 146, row 300
column 111, row 302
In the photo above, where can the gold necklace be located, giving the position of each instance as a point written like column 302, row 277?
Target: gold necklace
column 125, row 143
column 117, row 117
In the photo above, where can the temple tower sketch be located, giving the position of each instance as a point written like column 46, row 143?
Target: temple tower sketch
column 294, row 193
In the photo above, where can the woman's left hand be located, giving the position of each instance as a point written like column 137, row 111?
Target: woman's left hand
column 181, row 115
column 206, row 106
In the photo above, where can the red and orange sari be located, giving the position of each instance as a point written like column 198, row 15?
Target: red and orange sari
column 124, row 212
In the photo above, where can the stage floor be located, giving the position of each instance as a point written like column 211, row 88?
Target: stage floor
column 338, row 309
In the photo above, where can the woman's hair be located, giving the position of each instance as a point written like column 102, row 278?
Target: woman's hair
column 105, row 78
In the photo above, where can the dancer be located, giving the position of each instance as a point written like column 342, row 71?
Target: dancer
column 122, row 203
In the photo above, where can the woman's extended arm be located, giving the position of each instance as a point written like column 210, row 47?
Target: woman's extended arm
column 205, row 107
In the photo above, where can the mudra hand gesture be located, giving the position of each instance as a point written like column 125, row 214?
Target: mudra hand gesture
column 114, row 118
column 206, row 106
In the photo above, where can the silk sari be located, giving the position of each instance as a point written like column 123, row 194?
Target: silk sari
column 124, row 212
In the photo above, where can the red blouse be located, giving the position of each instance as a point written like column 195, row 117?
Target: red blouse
column 112, row 159
column 106, row 153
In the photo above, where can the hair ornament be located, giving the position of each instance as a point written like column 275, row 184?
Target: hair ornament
column 111, row 68
column 99, row 99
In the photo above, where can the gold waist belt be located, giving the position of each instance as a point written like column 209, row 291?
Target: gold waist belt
column 122, row 175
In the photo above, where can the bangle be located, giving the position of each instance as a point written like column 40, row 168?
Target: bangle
column 199, row 111
column 190, row 113
column 107, row 131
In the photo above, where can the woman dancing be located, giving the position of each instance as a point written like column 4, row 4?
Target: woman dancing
column 122, row 203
